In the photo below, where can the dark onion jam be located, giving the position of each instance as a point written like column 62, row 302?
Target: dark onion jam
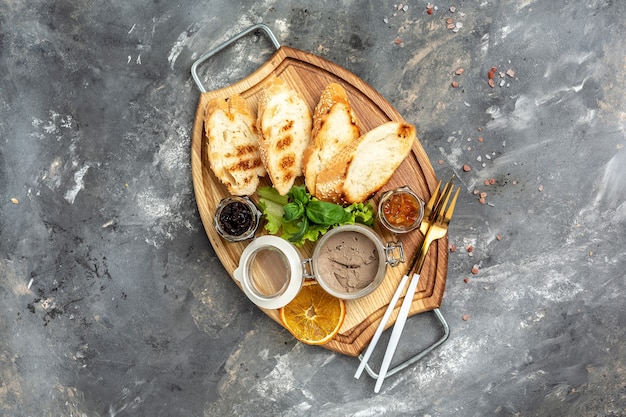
column 235, row 218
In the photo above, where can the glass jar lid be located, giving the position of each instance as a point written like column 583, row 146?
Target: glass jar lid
column 270, row 272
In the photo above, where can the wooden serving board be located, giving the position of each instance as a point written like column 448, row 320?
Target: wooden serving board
column 309, row 74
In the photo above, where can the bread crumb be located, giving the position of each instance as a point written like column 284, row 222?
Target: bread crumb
column 15, row 201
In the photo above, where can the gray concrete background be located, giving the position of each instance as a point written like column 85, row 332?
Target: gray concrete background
column 113, row 303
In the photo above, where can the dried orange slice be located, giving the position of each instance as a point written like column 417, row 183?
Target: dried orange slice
column 314, row 316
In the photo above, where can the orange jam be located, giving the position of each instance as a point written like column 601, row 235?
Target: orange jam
column 401, row 210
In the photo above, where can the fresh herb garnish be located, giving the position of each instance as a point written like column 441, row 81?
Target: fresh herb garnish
column 298, row 217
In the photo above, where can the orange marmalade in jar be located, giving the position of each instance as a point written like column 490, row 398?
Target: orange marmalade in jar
column 400, row 210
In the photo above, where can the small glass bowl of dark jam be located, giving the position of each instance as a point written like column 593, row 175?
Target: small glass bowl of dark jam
column 236, row 218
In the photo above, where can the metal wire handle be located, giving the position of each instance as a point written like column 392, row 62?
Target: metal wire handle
column 207, row 55
column 419, row 355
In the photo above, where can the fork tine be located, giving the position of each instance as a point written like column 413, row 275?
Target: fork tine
column 433, row 199
column 429, row 207
column 450, row 210
column 442, row 204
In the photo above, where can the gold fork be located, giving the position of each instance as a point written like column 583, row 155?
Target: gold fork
column 433, row 207
column 437, row 230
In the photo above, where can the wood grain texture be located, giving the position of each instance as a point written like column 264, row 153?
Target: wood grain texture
column 310, row 74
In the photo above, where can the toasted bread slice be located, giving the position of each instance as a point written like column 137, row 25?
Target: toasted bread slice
column 285, row 123
column 364, row 167
column 233, row 144
column 334, row 127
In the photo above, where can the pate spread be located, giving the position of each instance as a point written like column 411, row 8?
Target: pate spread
column 348, row 261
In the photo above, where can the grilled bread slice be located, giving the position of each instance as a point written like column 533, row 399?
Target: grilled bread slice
column 284, row 120
column 233, row 145
column 334, row 127
column 365, row 166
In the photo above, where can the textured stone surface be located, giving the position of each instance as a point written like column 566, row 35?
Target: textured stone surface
column 113, row 303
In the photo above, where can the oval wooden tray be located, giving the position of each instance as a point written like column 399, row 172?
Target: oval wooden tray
column 310, row 74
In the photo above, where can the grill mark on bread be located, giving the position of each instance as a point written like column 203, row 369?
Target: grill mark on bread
column 284, row 143
column 245, row 164
column 286, row 162
column 241, row 151
column 287, row 126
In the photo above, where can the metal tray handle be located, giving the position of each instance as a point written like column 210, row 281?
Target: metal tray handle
column 209, row 54
column 419, row 355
